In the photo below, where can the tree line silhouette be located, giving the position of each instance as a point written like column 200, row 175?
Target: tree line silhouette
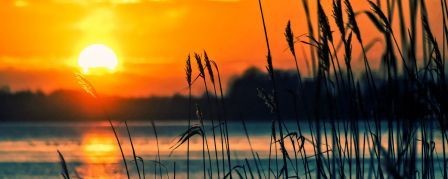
column 242, row 102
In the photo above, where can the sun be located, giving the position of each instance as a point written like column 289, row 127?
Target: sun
column 97, row 56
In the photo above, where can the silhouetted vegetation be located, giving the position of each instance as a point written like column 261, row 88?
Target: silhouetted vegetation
column 359, row 124
column 243, row 102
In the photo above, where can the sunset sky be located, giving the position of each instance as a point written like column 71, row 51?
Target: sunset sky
column 40, row 41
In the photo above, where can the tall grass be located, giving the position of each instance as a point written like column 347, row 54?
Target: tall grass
column 276, row 108
column 65, row 174
column 88, row 87
column 153, row 125
column 202, row 74
column 188, row 72
column 226, row 129
column 369, row 123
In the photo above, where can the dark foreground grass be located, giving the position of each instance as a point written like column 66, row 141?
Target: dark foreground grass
column 349, row 142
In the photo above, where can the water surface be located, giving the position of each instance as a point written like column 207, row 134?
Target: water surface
column 29, row 150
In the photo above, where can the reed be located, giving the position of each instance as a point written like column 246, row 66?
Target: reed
column 259, row 169
column 202, row 69
column 121, row 149
column 359, row 125
column 279, row 120
column 311, row 34
column 226, row 130
column 133, row 150
column 88, row 87
column 204, row 142
column 185, row 136
column 208, row 65
column 153, row 125
column 188, row 72
column 65, row 174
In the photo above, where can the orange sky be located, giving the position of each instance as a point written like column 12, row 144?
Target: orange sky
column 40, row 41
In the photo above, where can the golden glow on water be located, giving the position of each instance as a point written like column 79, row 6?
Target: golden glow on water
column 101, row 171
column 95, row 153
column 99, row 148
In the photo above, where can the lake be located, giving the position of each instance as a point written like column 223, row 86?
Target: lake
column 29, row 150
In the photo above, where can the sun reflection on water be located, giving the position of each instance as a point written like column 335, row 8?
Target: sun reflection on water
column 100, row 156
column 99, row 148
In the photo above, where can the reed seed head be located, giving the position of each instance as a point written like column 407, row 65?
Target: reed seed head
column 352, row 20
column 209, row 67
column 86, row 85
column 338, row 16
column 200, row 65
column 188, row 70
column 290, row 38
column 324, row 24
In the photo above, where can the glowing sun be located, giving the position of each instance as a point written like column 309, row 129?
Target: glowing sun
column 97, row 56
